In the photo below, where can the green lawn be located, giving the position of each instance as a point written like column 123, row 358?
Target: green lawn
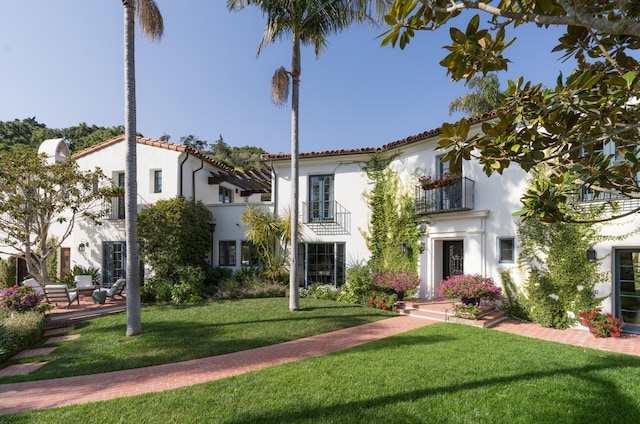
column 442, row 373
column 179, row 333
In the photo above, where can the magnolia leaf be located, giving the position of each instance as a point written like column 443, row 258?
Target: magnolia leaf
column 457, row 36
column 629, row 77
column 472, row 27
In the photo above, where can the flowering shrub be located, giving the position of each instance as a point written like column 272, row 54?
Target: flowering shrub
column 601, row 325
column 19, row 299
column 399, row 281
column 382, row 300
column 430, row 183
column 469, row 286
column 469, row 311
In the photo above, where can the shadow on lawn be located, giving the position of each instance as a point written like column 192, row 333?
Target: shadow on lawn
column 577, row 405
column 162, row 342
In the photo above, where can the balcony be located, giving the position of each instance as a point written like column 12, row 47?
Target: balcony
column 457, row 197
column 326, row 218
column 586, row 199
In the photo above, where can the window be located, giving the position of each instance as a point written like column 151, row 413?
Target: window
column 247, row 253
column 227, row 253
column 114, row 264
column 157, row 181
column 324, row 263
column 119, row 207
column 225, row 195
column 506, row 250
column 321, row 207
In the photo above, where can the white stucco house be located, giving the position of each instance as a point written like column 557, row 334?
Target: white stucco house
column 165, row 171
column 466, row 228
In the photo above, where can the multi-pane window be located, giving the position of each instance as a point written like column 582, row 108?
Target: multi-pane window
column 113, row 261
column 321, row 205
column 225, row 195
column 157, row 181
column 325, row 263
column 506, row 250
column 227, row 253
column 247, row 253
column 119, row 207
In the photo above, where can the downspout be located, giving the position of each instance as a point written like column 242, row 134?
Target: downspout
column 181, row 171
column 193, row 180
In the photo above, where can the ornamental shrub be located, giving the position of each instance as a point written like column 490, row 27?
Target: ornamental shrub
column 382, row 300
column 4, row 340
column 399, row 281
column 320, row 291
column 25, row 330
column 359, row 284
column 601, row 325
column 19, row 299
column 469, row 286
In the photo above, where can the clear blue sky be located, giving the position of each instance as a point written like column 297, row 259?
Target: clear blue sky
column 62, row 62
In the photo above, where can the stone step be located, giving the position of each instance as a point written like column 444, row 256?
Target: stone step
column 442, row 311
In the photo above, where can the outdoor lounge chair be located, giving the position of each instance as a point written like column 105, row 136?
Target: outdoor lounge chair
column 115, row 289
column 59, row 293
column 31, row 282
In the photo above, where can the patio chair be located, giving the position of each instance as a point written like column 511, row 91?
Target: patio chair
column 60, row 293
column 115, row 289
column 31, row 282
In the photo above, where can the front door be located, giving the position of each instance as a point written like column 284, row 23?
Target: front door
column 627, row 288
column 453, row 258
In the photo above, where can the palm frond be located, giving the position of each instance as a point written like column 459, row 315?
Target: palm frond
column 280, row 87
column 149, row 19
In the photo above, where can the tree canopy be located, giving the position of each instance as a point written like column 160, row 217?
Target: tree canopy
column 29, row 133
column 33, row 200
column 174, row 233
column 585, row 129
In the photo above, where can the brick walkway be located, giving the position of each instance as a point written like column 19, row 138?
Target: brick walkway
column 44, row 394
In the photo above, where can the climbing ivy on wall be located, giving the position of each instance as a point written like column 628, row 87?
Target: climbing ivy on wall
column 559, row 280
column 393, row 237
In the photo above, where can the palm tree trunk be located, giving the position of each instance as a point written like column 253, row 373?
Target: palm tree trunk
column 134, row 323
column 294, row 299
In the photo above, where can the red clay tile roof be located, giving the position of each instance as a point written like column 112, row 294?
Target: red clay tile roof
column 393, row 145
column 155, row 143
column 253, row 181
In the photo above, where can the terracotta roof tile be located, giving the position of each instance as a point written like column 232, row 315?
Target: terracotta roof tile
column 389, row 146
column 255, row 181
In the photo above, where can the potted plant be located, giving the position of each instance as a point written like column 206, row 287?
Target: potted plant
column 470, row 288
column 601, row 325
column 430, row 183
column 398, row 281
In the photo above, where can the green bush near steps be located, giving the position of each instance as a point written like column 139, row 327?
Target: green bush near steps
column 24, row 330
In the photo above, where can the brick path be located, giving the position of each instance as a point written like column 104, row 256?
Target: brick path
column 44, row 394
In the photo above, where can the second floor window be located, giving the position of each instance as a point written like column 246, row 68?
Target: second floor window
column 321, row 207
column 225, row 195
column 157, row 181
column 119, row 206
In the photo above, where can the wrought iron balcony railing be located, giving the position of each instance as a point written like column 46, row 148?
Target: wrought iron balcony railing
column 457, row 197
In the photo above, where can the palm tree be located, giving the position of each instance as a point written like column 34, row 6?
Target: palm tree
column 307, row 22
column 151, row 25
column 483, row 97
